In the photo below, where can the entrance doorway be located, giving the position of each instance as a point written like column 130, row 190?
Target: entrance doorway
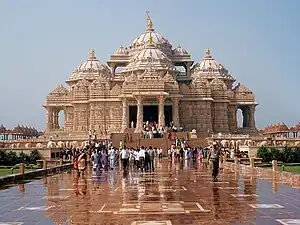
column 168, row 115
column 150, row 113
column 132, row 115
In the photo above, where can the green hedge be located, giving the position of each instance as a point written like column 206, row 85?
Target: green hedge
column 10, row 158
column 286, row 155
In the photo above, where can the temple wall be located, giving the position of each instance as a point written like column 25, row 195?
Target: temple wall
column 106, row 115
column 81, row 117
column 69, row 118
column 195, row 115
column 220, row 117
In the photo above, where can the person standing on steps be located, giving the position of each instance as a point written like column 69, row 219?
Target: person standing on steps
column 214, row 156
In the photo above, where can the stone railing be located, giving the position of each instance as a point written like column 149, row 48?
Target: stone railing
column 230, row 136
column 273, row 174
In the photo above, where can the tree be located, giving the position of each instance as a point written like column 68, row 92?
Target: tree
column 297, row 155
column 275, row 154
column 288, row 155
column 265, row 154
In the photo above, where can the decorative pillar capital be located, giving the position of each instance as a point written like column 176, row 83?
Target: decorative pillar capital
column 139, row 99
column 160, row 99
column 175, row 100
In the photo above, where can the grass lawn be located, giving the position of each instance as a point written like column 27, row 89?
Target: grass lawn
column 4, row 172
column 292, row 169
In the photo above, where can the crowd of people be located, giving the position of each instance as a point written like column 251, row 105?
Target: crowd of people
column 153, row 130
column 103, row 156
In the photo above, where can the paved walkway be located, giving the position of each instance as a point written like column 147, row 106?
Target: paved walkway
column 176, row 194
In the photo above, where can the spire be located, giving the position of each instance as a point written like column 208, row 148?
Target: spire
column 92, row 54
column 207, row 52
column 149, row 22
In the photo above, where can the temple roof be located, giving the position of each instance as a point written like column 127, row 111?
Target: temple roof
column 208, row 67
column 242, row 88
column 19, row 129
column 149, row 57
column 180, row 51
column 92, row 69
column 280, row 128
column 59, row 90
column 150, row 32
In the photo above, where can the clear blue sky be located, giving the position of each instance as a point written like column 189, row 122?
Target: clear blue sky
column 41, row 42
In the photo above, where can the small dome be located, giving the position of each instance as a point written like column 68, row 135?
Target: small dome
column 209, row 67
column 59, row 90
column 90, row 69
column 121, row 51
column 149, row 56
column 180, row 51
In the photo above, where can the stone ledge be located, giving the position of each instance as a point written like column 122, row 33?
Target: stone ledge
column 14, row 178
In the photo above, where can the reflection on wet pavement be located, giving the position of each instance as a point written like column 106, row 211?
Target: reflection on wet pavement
column 174, row 195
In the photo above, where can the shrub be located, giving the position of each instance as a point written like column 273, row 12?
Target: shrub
column 297, row 155
column 265, row 154
column 276, row 154
column 288, row 155
column 10, row 158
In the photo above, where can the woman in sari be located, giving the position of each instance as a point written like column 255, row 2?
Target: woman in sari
column 82, row 163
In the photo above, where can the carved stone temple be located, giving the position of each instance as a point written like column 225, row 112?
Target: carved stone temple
column 149, row 80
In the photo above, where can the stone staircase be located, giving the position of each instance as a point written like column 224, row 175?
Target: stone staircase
column 134, row 140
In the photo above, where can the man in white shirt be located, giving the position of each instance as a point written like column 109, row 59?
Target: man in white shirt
column 142, row 158
column 125, row 158
column 112, row 158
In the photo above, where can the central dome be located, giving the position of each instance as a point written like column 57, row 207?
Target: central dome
column 158, row 40
column 149, row 56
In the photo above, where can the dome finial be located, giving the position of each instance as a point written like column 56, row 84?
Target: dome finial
column 149, row 21
column 207, row 52
column 92, row 53
column 150, row 41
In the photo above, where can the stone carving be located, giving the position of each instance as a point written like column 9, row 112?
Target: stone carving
column 96, row 91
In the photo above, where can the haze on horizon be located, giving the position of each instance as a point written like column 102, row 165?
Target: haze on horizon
column 42, row 42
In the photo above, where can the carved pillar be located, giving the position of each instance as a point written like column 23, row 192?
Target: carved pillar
column 161, row 111
column 139, row 117
column 55, row 118
column 252, row 117
column 188, row 68
column 66, row 118
column 125, row 118
column 49, row 118
column 175, row 109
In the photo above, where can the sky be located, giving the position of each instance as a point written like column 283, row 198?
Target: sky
column 42, row 42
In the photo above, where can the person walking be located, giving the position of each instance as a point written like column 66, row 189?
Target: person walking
column 82, row 161
column 95, row 160
column 125, row 158
column 151, row 159
column 214, row 156
column 112, row 158
column 142, row 158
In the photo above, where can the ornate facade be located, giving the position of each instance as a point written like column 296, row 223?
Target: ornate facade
column 102, row 98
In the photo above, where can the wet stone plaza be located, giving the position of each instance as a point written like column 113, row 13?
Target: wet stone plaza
column 175, row 194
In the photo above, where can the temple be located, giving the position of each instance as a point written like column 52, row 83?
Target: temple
column 149, row 80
